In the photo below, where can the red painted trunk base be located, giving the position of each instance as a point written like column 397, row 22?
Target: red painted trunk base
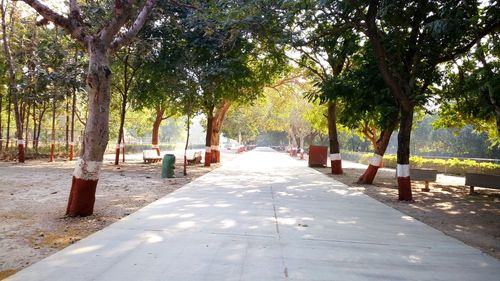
column 71, row 152
column 337, row 167
column 369, row 175
column 117, row 155
column 208, row 158
column 52, row 149
column 21, row 153
column 404, row 189
column 214, row 156
column 217, row 153
column 81, row 198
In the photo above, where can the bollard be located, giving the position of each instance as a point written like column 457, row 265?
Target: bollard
column 168, row 166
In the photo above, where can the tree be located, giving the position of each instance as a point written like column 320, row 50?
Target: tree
column 128, row 64
column 228, row 63
column 100, row 36
column 409, row 40
column 368, row 106
column 13, row 91
column 324, row 52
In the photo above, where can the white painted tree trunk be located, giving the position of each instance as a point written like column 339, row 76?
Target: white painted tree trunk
column 95, row 139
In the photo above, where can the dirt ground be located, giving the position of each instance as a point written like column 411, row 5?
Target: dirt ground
column 33, row 199
column 473, row 219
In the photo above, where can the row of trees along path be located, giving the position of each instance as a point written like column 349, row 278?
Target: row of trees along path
column 371, row 58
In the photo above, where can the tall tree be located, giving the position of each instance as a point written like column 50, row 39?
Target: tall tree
column 409, row 40
column 100, row 37
column 128, row 63
column 7, row 33
column 325, row 51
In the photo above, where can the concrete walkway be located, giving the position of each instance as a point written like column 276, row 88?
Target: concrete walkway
column 266, row 217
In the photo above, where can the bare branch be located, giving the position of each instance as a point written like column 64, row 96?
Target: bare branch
column 77, row 113
column 122, row 13
column 72, row 25
column 136, row 26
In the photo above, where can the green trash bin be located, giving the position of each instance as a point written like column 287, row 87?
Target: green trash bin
column 168, row 166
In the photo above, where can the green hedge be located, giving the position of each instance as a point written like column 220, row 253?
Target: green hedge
column 447, row 166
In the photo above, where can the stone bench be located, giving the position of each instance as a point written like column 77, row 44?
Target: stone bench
column 150, row 156
column 425, row 175
column 481, row 180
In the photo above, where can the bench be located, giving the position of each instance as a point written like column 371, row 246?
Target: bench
column 196, row 158
column 425, row 175
column 150, row 156
column 481, row 180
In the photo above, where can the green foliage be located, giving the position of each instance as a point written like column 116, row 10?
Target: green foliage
column 472, row 90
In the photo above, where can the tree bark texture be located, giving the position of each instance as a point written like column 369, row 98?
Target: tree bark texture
column 155, row 136
column 335, row 159
column 95, row 138
column 218, row 120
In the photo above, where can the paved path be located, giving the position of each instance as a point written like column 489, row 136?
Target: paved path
column 266, row 217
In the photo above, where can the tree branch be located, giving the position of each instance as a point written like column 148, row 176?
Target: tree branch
column 72, row 25
column 136, row 26
column 491, row 27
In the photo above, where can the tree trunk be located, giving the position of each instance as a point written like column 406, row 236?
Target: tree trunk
column 335, row 158
column 186, row 147
column 66, row 136
column 214, row 142
column 301, row 151
column 292, row 139
column 13, row 87
column 218, row 120
column 34, row 129
column 156, row 129
column 8, row 123
column 26, row 126
column 53, row 142
column 208, row 140
column 379, row 150
column 39, row 129
column 123, row 146
column 96, row 135
column 119, row 142
column 72, row 130
column 403, row 160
